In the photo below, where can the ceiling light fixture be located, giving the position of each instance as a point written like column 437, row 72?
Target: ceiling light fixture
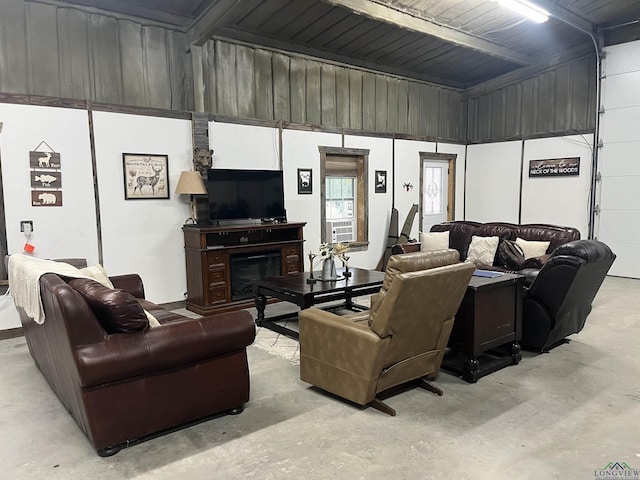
column 530, row 10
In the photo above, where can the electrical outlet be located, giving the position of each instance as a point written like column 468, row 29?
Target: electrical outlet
column 26, row 226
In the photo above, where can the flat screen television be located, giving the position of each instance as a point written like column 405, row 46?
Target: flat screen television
column 245, row 194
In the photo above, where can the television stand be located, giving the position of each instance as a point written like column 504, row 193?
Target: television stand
column 222, row 262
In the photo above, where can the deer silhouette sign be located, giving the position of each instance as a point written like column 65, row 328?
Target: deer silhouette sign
column 152, row 181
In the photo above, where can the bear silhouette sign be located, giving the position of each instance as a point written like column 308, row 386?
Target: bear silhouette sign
column 46, row 198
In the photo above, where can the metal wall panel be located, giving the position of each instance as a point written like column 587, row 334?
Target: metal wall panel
column 558, row 100
column 313, row 94
column 381, row 103
column 298, row 79
column 342, row 97
column 226, row 76
column 132, row 53
column 281, row 86
column 403, row 106
column 68, row 53
column 45, row 75
column 75, row 78
column 208, row 59
column 369, row 101
column 302, row 90
column 107, row 62
column 328, row 95
column 392, row 105
column 355, row 99
column 263, row 85
column 245, row 58
column 59, row 51
column 13, row 48
column 413, row 114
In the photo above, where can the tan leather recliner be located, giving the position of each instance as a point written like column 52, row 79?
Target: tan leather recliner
column 402, row 338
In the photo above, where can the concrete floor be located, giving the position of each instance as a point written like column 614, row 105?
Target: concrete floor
column 560, row 415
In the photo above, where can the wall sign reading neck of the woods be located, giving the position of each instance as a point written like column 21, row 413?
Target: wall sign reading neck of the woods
column 554, row 167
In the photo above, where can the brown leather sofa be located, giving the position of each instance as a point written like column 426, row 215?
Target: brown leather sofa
column 124, row 387
column 400, row 339
column 461, row 233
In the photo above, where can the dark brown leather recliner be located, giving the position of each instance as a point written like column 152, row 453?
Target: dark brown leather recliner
column 123, row 387
column 402, row 338
column 558, row 298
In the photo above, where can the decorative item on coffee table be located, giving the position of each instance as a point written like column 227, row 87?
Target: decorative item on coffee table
column 327, row 254
column 345, row 263
column 311, row 278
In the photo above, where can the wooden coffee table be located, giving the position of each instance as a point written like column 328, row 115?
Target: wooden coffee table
column 294, row 288
column 487, row 329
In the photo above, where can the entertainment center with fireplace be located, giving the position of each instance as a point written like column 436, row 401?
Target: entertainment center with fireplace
column 246, row 238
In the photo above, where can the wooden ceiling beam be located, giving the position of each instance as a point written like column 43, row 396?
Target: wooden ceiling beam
column 390, row 15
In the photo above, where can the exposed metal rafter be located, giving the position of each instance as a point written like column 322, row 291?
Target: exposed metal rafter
column 219, row 14
column 391, row 15
column 249, row 39
column 526, row 72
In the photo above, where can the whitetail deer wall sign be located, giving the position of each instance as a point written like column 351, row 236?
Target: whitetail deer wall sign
column 145, row 176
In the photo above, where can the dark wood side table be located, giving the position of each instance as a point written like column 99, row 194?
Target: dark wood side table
column 295, row 289
column 487, row 328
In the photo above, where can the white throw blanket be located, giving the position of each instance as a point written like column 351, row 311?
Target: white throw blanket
column 24, row 281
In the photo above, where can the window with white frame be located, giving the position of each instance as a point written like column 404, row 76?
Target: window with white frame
column 340, row 208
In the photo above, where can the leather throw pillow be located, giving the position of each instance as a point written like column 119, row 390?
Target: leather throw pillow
column 509, row 255
column 116, row 310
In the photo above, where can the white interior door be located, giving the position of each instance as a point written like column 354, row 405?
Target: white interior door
column 434, row 186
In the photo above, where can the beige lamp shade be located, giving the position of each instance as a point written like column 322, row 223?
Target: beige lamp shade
column 190, row 183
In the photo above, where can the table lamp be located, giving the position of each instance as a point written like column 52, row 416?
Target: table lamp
column 190, row 183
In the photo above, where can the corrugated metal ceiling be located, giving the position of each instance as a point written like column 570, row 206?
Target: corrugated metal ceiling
column 458, row 43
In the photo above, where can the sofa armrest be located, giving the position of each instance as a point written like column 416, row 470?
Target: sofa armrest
column 535, row 262
column 171, row 345
column 405, row 248
column 131, row 283
column 341, row 342
column 529, row 275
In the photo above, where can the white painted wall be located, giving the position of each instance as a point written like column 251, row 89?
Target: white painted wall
column 407, row 171
column 619, row 196
column 243, row 146
column 558, row 200
column 493, row 182
column 66, row 231
column 460, row 151
column 380, row 158
column 300, row 150
column 143, row 236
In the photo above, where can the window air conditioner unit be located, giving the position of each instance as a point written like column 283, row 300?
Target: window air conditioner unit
column 341, row 231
